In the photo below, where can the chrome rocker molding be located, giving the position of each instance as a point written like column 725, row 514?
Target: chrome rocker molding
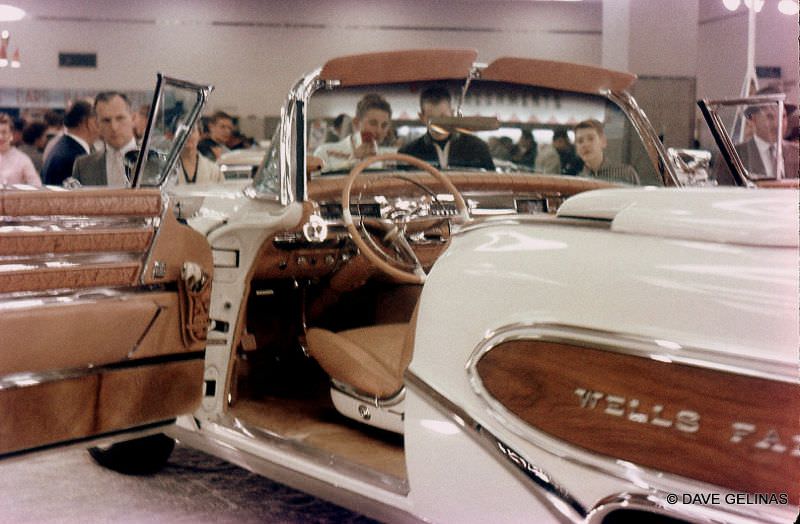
column 656, row 483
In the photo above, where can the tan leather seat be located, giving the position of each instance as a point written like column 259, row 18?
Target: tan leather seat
column 371, row 360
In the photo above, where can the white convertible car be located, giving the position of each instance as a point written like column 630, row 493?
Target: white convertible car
column 421, row 343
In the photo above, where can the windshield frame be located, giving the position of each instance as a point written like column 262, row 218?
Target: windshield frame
column 294, row 177
column 162, row 82
column 724, row 140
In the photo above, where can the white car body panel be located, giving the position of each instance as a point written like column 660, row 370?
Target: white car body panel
column 613, row 282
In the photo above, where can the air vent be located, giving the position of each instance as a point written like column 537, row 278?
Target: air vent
column 77, row 60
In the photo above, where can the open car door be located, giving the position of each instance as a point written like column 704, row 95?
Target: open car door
column 104, row 298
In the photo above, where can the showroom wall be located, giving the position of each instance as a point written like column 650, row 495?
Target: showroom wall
column 253, row 50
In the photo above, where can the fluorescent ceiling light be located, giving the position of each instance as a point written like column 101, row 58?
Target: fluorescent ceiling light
column 10, row 13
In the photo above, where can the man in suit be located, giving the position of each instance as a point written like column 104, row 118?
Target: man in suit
column 220, row 130
column 81, row 132
column 115, row 124
column 441, row 148
column 759, row 154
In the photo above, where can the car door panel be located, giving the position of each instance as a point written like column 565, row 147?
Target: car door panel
column 101, row 332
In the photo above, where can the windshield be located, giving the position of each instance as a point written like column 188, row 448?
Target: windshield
column 522, row 129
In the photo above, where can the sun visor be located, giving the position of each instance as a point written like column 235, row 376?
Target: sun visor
column 557, row 75
column 763, row 217
column 400, row 66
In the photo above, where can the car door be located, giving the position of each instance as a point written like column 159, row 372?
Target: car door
column 104, row 298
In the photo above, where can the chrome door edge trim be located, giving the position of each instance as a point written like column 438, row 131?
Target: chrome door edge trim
column 658, row 484
column 565, row 507
column 320, row 457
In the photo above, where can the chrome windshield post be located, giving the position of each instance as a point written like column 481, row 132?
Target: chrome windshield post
column 648, row 135
column 293, row 138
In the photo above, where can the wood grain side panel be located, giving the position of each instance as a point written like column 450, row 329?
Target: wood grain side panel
column 14, row 243
column 38, row 415
column 77, row 277
column 82, row 202
column 730, row 430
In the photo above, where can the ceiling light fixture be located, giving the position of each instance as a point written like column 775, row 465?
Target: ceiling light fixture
column 731, row 5
column 789, row 7
column 10, row 13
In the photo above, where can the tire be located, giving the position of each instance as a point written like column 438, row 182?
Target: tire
column 142, row 456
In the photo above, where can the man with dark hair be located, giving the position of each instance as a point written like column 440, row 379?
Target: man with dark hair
column 81, row 132
column 370, row 127
column 759, row 153
column 33, row 142
column 441, row 147
column 590, row 139
column 220, row 130
column 571, row 164
column 115, row 124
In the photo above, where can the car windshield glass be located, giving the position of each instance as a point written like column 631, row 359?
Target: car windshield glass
column 175, row 111
column 521, row 129
column 267, row 178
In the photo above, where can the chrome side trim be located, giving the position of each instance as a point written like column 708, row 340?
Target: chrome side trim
column 565, row 507
column 320, row 457
column 658, row 484
column 628, row 344
column 66, row 261
column 29, row 379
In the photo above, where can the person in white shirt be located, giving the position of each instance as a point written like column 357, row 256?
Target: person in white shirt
column 370, row 127
column 194, row 167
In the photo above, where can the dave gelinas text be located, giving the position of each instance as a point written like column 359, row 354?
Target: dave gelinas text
column 728, row 498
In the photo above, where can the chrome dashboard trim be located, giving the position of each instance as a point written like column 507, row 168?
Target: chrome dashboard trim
column 657, row 484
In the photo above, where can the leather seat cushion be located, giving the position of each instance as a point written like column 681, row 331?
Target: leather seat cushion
column 370, row 359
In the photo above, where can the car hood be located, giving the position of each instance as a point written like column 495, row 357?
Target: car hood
column 767, row 218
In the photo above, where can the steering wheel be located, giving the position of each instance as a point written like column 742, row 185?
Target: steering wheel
column 395, row 230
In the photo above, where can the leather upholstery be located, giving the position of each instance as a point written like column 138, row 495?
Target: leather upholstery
column 372, row 359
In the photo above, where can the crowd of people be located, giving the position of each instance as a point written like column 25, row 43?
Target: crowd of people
column 87, row 144
column 369, row 132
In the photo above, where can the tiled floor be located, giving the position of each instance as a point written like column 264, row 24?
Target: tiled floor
column 68, row 487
